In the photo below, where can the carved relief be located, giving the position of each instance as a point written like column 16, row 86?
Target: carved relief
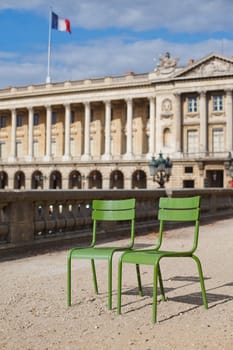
column 166, row 108
column 214, row 67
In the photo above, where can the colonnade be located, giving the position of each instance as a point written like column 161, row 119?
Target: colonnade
column 87, row 121
column 154, row 127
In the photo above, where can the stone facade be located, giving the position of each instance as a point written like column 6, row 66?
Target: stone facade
column 102, row 133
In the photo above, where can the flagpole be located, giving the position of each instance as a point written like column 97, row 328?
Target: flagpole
column 48, row 79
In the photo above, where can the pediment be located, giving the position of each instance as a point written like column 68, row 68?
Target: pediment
column 212, row 65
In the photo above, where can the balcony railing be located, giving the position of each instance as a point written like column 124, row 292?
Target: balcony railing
column 207, row 154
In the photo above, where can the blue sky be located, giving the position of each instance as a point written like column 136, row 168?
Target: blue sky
column 108, row 37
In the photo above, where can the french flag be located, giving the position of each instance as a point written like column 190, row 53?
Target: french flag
column 61, row 24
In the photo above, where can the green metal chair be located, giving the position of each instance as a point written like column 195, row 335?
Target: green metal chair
column 104, row 210
column 170, row 209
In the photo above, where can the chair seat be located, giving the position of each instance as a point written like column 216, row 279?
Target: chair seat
column 149, row 257
column 95, row 252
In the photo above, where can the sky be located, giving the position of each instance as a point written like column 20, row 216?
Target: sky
column 109, row 37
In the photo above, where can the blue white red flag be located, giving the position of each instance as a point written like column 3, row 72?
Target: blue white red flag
column 61, row 24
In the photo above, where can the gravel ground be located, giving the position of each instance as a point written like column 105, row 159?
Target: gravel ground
column 34, row 315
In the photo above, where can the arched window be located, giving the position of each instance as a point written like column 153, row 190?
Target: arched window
column 139, row 179
column 3, row 180
column 55, row 180
column 116, row 179
column 75, row 179
column 37, row 180
column 95, row 179
column 19, row 180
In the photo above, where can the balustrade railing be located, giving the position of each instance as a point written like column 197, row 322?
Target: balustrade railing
column 29, row 217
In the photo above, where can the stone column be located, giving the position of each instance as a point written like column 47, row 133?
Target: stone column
column 129, row 133
column 48, row 132
column 67, row 132
column 152, row 128
column 177, row 118
column 86, row 155
column 229, row 116
column 203, row 123
column 30, row 133
column 158, row 127
column 107, row 148
column 13, row 135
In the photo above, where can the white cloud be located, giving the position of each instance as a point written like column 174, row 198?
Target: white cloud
column 182, row 16
column 116, row 55
column 92, row 60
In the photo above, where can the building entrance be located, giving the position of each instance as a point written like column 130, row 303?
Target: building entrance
column 214, row 178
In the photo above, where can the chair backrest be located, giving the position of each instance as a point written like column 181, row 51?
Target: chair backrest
column 114, row 210
column 180, row 210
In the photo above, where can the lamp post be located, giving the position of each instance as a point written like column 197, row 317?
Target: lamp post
column 160, row 169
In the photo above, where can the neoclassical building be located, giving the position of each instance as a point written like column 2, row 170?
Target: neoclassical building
column 102, row 133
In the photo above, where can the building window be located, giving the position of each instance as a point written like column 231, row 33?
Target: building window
column 218, row 140
column 218, row 103
column 3, row 121
column 188, row 183
column 54, row 118
column 192, row 104
column 19, row 120
column 192, row 138
column 188, row 170
column 36, row 119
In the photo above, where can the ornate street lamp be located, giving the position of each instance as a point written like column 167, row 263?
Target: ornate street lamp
column 160, row 169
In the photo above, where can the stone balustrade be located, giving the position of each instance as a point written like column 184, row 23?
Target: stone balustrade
column 45, row 218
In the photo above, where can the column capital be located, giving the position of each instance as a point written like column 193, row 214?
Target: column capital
column 129, row 100
column 151, row 98
column 30, row 108
column 48, row 107
column 202, row 93
column 177, row 94
column 228, row 92
column 87, row 103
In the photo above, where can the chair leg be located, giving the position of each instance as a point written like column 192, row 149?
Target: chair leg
column 161, row 284
column 155, row 286
column 203, row 291
column 69, row 280
column 119, row 287
column 139, row 280
column 94, row 276
column 110, row 283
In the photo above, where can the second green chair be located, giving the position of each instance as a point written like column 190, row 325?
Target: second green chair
column 170, row 209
